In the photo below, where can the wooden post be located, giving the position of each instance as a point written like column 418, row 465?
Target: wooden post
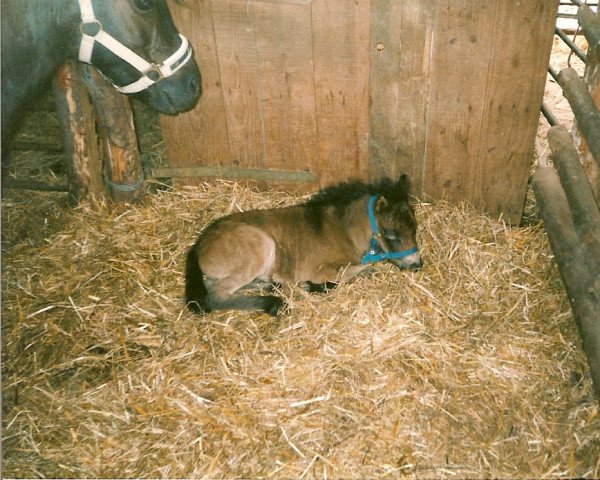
column 570, row 257
column 585, row 212
column 123, row 171
column 77, row 118
column 590, row 23
column 586, row 112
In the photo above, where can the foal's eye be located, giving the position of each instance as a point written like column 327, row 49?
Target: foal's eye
column 144, row 4
column 391, row 235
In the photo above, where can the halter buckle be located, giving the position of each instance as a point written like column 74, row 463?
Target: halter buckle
column 154, row 73
column 84, row 28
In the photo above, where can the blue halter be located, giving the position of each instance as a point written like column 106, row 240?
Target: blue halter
column 375, row 253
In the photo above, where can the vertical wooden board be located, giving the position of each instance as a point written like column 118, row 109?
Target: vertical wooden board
column 520, row 54
column 341, row 64
column 460, row 53
column 398, row 87
column 287, row 97
column 238, row 65
column 198, row 137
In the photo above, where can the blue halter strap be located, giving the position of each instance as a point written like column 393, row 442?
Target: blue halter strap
column 375, row 253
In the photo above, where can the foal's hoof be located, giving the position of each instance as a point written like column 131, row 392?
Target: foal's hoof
column 273, row 305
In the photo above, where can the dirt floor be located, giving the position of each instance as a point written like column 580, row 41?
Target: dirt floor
column 468, row 368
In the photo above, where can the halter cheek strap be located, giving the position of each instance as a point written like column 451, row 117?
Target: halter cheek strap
column 376, row 253
column 92, row 31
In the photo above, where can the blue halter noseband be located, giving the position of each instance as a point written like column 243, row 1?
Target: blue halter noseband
column 375, row 252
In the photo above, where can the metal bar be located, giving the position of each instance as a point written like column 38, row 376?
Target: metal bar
column 565, row 38
column 549, row 115
column 233, row 173
column 553, row 73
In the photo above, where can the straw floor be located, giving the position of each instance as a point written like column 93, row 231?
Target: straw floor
column 470, row 367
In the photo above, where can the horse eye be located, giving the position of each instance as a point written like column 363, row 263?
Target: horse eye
column 391, row 235
column 144, row 4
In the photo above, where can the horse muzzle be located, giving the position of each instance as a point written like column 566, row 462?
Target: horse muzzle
column 176, row 94
column 411, row 262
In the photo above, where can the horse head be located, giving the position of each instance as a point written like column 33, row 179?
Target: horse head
column 134, row 43
column 394, row 226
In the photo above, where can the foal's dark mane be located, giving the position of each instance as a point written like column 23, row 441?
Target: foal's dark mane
column 340, row 196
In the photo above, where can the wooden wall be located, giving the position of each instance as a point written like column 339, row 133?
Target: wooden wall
column 302, row 93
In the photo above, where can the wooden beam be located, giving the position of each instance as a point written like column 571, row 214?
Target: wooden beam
column 570, row 256
column 234, row 173
column 76, row 115
column 585, row 212
column 586, row 112
column 590, row 24
column 123, row 169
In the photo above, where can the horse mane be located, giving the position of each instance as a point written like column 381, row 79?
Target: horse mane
column 340, row 196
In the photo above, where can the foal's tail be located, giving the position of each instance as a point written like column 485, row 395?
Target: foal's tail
column 195, row 289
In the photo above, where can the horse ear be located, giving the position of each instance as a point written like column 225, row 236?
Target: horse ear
column 403, row 185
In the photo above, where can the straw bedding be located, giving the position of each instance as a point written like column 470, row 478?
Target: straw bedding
column 471, row 367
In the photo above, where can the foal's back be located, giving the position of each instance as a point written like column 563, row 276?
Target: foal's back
column 290, row 243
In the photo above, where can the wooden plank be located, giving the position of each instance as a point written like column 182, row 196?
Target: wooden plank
column 198, row 137
column 341, row 64
column 398, row 87
column 513, row 96
column 482, row 114
column 238, row 64
column 460, row 44
column 287, row 96
column 267, row 175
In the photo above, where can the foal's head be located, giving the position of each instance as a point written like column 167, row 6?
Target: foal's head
column 396, row 225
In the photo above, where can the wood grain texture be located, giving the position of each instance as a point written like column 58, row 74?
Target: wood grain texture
column 486, row 92
column 285, row 78
column 399, row 87
column 514, row 91
column 77, row 117
column 198, row 137
column 452, row 98
column 461, row 42
column 341, row 62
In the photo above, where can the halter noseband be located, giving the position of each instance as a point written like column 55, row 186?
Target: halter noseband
column 376, row 252
column 92, row 31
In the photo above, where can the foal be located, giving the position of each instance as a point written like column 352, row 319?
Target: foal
column 332, row 237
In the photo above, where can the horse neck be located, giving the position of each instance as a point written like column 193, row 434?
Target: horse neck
column 58, row 36
column 35, row 45
column 356, row 223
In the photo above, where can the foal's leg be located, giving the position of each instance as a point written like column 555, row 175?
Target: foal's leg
column 320, row 287
column 219, row 300
column 248, row 254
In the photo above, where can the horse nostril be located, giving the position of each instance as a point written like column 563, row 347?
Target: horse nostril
column 415, row 266
column 195, row 86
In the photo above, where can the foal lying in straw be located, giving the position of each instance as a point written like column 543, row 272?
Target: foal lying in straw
column 330, row 238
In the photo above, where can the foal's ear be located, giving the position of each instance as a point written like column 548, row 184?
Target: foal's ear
column 403, row 185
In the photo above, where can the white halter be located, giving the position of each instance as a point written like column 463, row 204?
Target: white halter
column 151, row 72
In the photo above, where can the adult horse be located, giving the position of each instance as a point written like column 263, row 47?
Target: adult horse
column 133, row 43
